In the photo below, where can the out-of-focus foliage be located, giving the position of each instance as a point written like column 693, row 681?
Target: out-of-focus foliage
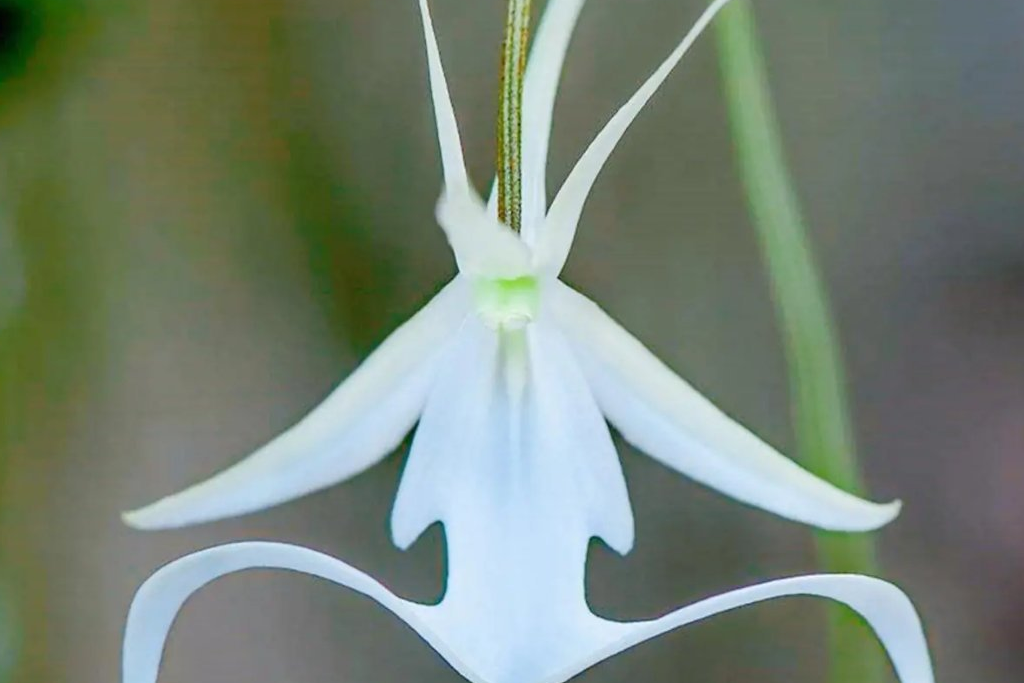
column 818, row 389
column 10, row 633
column 38, row 39
column 12, row 274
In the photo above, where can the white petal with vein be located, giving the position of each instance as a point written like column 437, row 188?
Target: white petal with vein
column 359, row 423
column 885, row 607
column 555, row 240
column 665, row 417
column 452, row 163
column 554, row 650
column 161, row 597
column 513, row 457
column 540, row 87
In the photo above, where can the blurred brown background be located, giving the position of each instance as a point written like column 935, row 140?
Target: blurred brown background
column 211, row 209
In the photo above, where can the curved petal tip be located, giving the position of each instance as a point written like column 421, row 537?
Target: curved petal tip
column 887, row 512
column 149, row 517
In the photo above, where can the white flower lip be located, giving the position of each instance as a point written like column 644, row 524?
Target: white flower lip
column 883, row 606
column 512, row 377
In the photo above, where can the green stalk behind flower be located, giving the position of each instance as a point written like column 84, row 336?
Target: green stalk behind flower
column 510, row 117
column 817, row 385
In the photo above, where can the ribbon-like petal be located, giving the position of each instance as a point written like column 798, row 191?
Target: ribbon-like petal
column 556, row 237
column 452, row 162
column 158, row 601
column 885, row 607
column 662, row 415
column 543, row 71
column 359, row 423
column 581, row 639
column 483, row 247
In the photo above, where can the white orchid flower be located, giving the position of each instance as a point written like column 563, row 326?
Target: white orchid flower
column 511, row 375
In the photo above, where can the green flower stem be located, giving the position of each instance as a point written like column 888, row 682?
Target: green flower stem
column 817, row 385
column 510, row 119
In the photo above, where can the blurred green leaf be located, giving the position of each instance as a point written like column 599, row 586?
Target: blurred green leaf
column 817, row 381
column 12, row 275
column 10, row 633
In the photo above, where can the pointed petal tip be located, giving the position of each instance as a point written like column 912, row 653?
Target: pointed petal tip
column 408, row 521
column 887, row 512
column 662, row 415
column 133, row 519
column 152, row 517
column 867, row 517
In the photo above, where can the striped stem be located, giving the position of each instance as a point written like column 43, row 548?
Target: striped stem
column 510, row 118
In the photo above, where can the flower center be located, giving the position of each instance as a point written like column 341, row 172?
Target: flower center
column 507, row 304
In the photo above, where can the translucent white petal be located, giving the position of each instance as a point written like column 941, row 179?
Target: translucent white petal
column 469, row 637
column 359, row 423
column 540, row 86
column 884, row 606
column 158, row 601
column 454, row 166
column 661, row 414
column 483, row 246
column 555, row 240
column 506, row 407
column 567, row 425
column 513, row 457
column 455, row 429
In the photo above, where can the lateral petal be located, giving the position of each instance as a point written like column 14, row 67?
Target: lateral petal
column 884, row 606
column 553, row 244
column 359, row 423
column 662, row 415
column 158, row 601
column 482, row 246
column 543, row 71
column 452, row 162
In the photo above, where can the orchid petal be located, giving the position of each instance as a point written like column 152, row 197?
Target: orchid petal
column 540, row 86
column 455, row 425
column 158, row 601
column 661, row 414
column 513, row 457
column 884, row 606
column 503, row 408
column 568, row 425
column 483, row 246
column 581, row 641
column 453, row 165
column 358, row 424
column 554, row 242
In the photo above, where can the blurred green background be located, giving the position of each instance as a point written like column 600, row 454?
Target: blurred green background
column 211, row 209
